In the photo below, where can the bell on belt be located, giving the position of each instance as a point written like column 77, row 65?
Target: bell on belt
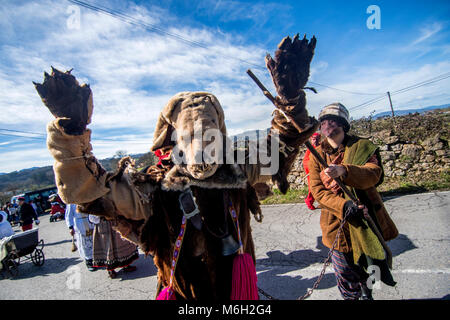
column 229, row 245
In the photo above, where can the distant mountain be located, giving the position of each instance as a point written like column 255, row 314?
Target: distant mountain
column 20, row 171
column 408, row 111
column 40, row 177
column 251, row 134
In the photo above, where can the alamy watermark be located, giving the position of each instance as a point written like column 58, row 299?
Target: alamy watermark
column 373, row 282
column 210, row 146
column 374, row 20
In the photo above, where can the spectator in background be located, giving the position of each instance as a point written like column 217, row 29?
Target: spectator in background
column 34, row 207
column 13, row 213
column 26, row 214
column 315, row 141
column 6, row 210
column 111, row 251
column 57, row 211
column 80, row 227
column 40, row 204
column 5, row 227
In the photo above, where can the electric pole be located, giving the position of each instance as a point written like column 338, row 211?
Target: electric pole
column 392, row 109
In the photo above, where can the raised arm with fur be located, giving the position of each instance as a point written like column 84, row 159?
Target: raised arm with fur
column 290, row 72
column 79, row 176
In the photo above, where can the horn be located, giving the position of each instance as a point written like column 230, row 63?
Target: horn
column 229, row 245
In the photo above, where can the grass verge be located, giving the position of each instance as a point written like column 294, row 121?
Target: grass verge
column 291, row 196
column 391, row 186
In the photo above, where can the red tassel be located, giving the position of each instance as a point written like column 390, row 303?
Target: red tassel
column 244, row 278
column 166, row 294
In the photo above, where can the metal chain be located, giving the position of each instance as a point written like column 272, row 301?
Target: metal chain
column 327, row 260
column 266, row 294
column 326, row 263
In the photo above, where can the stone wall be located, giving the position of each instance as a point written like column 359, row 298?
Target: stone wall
column 400, row 158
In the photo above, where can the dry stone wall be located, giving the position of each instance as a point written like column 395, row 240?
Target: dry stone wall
column 400, row 158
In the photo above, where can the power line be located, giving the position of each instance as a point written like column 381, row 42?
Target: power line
column 368, row 102
column 154, row 28
column 42, row 134
column 351, row 92
column 406, row 89
column 151, row 27
column 424, row 83
column 19, row 134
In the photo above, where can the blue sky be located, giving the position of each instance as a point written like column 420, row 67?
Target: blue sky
column 133, row 72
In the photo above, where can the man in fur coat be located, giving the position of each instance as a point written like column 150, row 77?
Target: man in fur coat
column 147, row 207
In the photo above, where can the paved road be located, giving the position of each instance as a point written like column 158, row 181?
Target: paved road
column 289, row 258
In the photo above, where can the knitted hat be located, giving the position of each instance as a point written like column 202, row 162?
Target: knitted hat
column 336, row 111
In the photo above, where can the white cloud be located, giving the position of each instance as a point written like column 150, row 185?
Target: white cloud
column 27, row 155
column 428, row 31
column 134, row 72
column 374, row 80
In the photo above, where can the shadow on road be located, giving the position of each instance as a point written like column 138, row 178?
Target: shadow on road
column 307, row 257
column 144, row 265
column 291, row 287
column 401, row 244
column 56, row 243
column 145, row 268
column 299, row 258
column 285, row 287
column 51, row 266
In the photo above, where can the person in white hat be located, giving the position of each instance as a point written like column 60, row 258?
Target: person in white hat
column 5, row 227
column 82, row 230
column 357, row 163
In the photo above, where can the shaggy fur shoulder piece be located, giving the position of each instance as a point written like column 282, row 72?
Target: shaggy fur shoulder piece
column 127, row 165
column 227, row 176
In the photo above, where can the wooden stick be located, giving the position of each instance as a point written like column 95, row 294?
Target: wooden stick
column 307, row 143
column 324, row 163
column 262, row 87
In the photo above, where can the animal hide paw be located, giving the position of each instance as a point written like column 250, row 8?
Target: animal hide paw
column 66, row 99
column 290, row 68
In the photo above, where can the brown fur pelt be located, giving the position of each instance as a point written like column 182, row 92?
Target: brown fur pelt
column 67, row 100
column 290, row 68
column 262, row 190
column 290, row 72
column 203, row 273
column 292, row 142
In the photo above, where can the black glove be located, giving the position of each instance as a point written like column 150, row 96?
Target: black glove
column 351, row 209
column 353, row 214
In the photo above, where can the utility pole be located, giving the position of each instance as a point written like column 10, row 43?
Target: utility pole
column 392, row 109
column 390, row 101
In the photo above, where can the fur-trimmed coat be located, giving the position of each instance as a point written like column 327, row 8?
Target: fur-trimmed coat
column 363, row 178
column 144, row 206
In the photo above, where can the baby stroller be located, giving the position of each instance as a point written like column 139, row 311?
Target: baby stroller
column 22, row 245
column 57, row 209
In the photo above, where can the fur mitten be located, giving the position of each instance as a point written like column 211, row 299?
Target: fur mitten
column 67, row 100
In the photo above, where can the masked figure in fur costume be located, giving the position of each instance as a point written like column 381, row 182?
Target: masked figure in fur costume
column 144, row 206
